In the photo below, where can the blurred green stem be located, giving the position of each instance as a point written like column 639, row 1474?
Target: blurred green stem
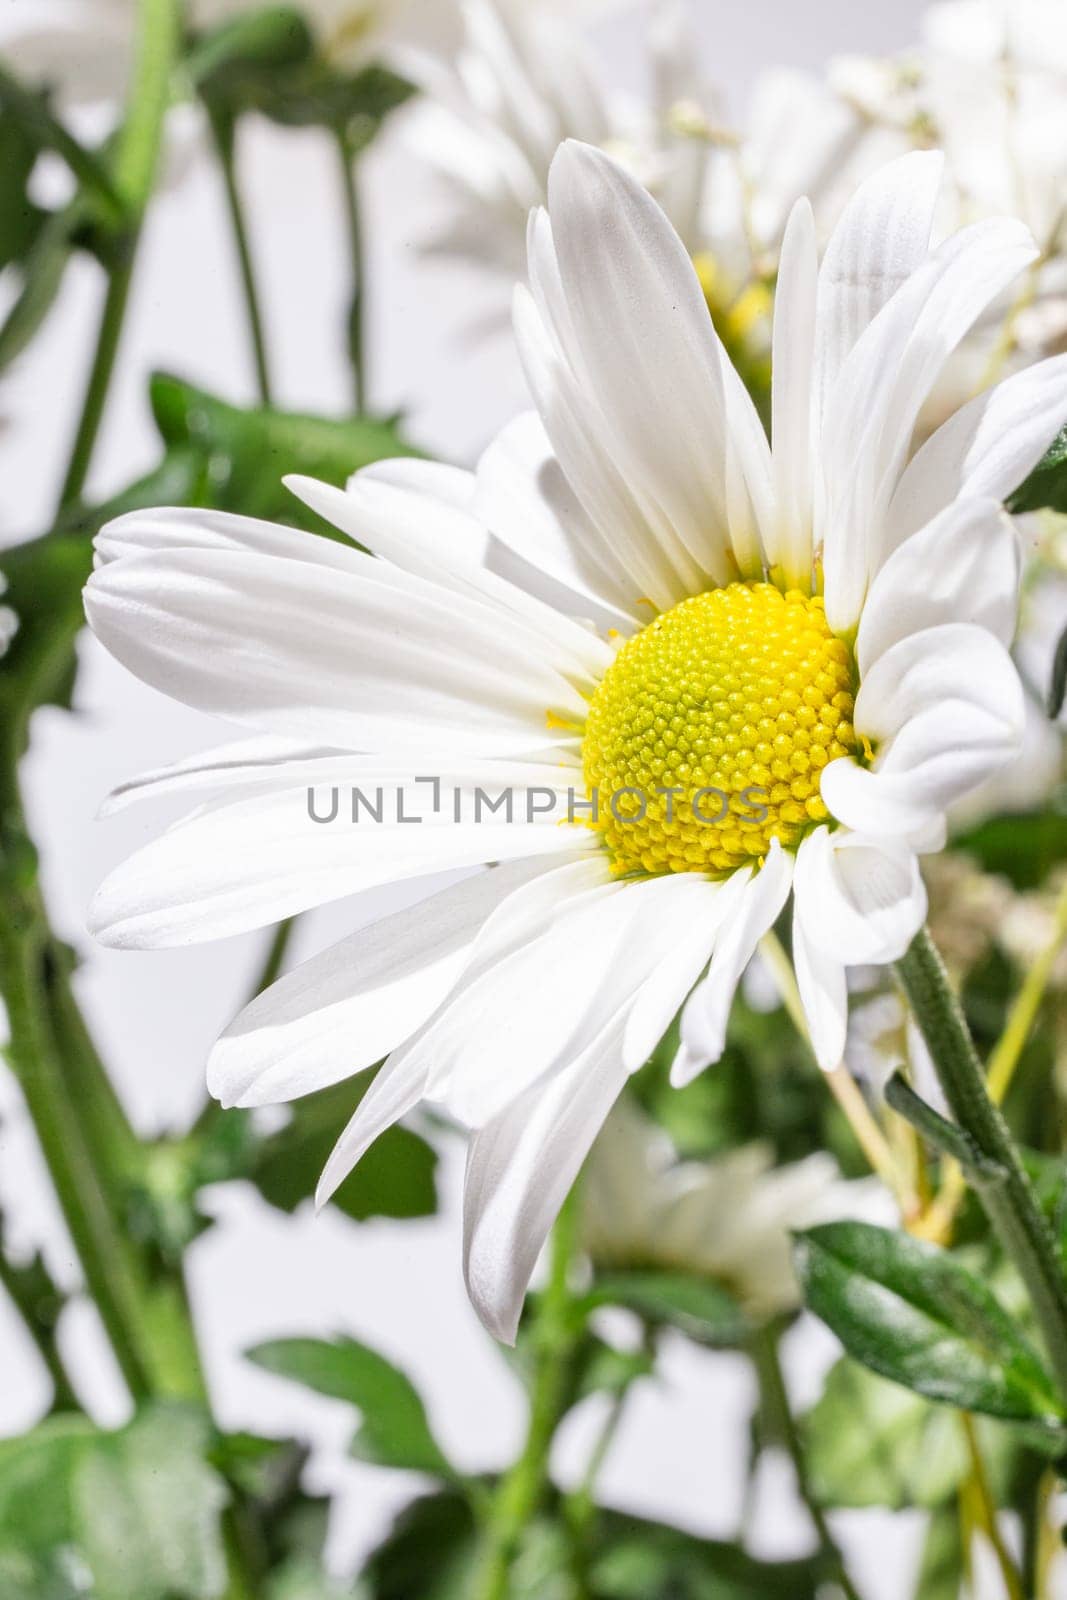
column 357, row 353
column 525, row 1485
column 224, row 131
column 782, row 1428
column 41, row 1329
column 1006, row 1194
column 133, row 172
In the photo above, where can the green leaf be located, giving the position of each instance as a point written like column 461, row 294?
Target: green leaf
column 695, row 1306
column 639, row 1560
column 139, row 1508
column 395, row 1431
column 148, row 1507
column 912, row 1313
column 942, row 1567
column 1046, row 487
column 235, row 62
column 430, row 1553
column 20, row 219
column 45, row 578
column 1023, row 847
column 396, row 1177
column 36, row 1470
column 869, row 1442
column 249, row 452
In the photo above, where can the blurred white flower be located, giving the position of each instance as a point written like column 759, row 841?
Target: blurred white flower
column 526, row 78
column 682, row 554
column 987, row 83
column 729, row 1218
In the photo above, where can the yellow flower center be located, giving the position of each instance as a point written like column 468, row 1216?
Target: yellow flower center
column 734, row 700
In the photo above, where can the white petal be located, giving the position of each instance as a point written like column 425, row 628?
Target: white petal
column 450, row 547
column 986, row 449
column 861, row 899
column 396, row 1090
column 704, row 1020
column 437, row 481
column 946, row 706
column 255, row 862
column 823, row 993
column 520, row 1168
column 528, row 1014
column 349, row 1006
column 646, row 350
column 357, row 660
column 170, row 528
column 528, row 504
column 791, row 399
column 961, row 567
column 244, row 763
column 871, row 414
column 882, row 236
column 663, row 993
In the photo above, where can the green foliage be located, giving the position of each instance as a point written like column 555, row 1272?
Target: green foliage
column 20, row 219
column 266, row 61
column 139, row 1509
column 1046, row 487
column 395, row 1431
column 432, row 1552
column 914, row 1314
column 1023, row 847
column 246, row 453
column 700, row 1309
column 869, row 1442
column 396, row 1177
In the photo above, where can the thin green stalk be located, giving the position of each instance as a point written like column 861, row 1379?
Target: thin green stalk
column 523, row 1489
column 357, row 349
column 225, row 135
column 986, row 1508
column 774, row 1398
column 102, row 1249
column 47, row 132
column 42, row 1330
column 1006, row 1194
column 133, row 171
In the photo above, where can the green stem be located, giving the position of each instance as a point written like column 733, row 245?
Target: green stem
column 774, row 1399
column 225, row 134
column 133, row 173
column 41, row 1327
column 525, row 1486
column 102, row 1249
column 47, row 132
column 1007, row 1196
column 357, row 351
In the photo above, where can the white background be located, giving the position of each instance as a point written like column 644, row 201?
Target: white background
column 259, row 1274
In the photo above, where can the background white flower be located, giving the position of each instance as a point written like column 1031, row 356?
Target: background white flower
column 987, row 83
column 730, row 1218
column 521, row 999
column 526, row 78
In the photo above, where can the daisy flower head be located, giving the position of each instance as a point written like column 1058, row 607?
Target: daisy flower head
column 708, row 669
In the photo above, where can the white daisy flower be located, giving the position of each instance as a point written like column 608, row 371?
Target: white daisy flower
column 826, row 622
column 730, row 1218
